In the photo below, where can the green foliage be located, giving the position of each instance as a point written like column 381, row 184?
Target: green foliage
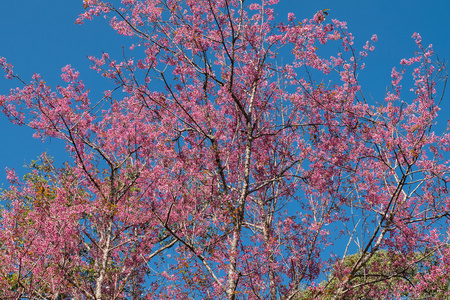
column 384, row 272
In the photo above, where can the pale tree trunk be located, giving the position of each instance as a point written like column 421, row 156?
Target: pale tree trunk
column 232, row 270
column 104, row 261
column 233, row 275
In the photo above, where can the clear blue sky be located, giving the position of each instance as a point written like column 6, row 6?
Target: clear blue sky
column 41, row 37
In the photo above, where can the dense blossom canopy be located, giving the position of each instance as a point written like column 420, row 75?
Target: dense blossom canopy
column 226, row 161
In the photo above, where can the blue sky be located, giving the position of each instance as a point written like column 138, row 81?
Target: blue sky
column 41, row 37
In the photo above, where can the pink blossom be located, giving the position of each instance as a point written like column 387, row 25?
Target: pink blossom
column 11, row 176
column 291, row 17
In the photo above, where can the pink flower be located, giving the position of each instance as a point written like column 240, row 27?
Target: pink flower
column 291, row 17
column 319, row 17
column 254, row 6
column 11, row 176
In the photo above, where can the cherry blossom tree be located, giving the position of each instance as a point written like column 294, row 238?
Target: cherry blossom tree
column 229, row 160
